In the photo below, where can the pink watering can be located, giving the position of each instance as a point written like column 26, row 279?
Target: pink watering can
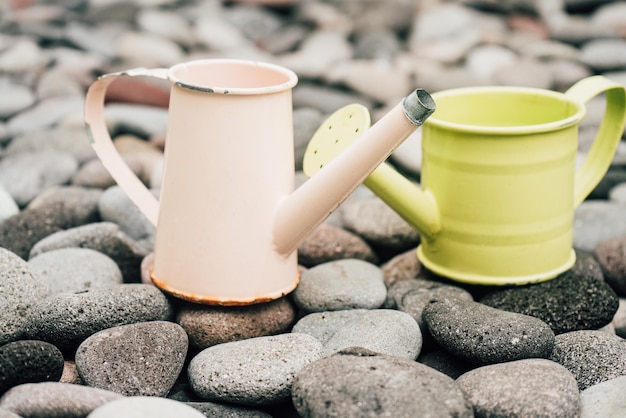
column 228, row 221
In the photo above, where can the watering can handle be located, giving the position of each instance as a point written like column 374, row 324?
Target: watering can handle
column 609, row 134
column 106, row 151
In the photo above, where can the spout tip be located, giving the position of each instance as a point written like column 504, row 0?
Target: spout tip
column 418, row 106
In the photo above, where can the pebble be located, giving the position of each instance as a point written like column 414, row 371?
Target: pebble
column 323, row 325
column 28, row 174
column 604, row 54
column 408, row 156
column 148, row 50
column 610, row 255
column 569, row 302
column 619, row 320
column 48, row 112
column 73, row 270
column 207, row 326
column 605, row 399
column 378, row 224
column 484, row 61
column 54, row 399
column 485, row 335
column 325, row 99
column 55, row 82
column 29, row 362
column 69, row 139
column 81, row 202
column 21, row 289
column 93, row 173
column 66, row 320
column 341, row 284
column 306, row 120
column 14, row 98
column 328, row 243
column 141, row 359
column 445, row 362
column 104, row 237
column 23, row 55
column 215, row 410
column 147, row 154
column 166, row 24
column 358, row 382
column 587, row 265
column 591, row 356
column 145, row 406
column 136, row 119
column 256, row 371
column 70, row 374
column 402, row 267
column 8, row 207
column 522, row 388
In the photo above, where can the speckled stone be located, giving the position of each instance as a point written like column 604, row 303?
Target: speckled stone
column 145, row 406
column 256, row 371
column 328, row 243
column 569, row 302
column 53, row 399
column 29, row 361
column 212, row 325
column 485, row 335
column 216, row 410
column 142, row 359
column 605, row 399
column 21, row 289
column 522, row 388
column 360, row 383
column 341, row 284
column 611, row 255
column 591, row 356
column 445, row 363
column 619, row 320
column 323, row 325
column 402, row 267
column 66, row 320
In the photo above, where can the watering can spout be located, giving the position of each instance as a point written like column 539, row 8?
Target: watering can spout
column 336, row 167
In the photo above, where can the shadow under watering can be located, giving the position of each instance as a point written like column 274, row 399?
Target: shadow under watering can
column 498, row 183
column 228, row 220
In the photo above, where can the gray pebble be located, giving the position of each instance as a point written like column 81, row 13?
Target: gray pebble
column 28, row 361
column 485, row 335
column 93, row 173
column 341, row 284
column 610, row 255
column 402, row 267
column 604, row 54
column 26, row 175
column 522, row 388
column 360, row 383
column 21, row 289
column 619, row 320
column 591, row 356
column 5, row 413
column 70, row 270
column 141, row 120
column 596, row 221
column 256, row 371
column 47, row 112
column 605, row 399
column 14, row 98
column 326, row 100
column 72, row 140
column 8, row 207
column 53, row 399
column 66, row 320
column 142, row 359
column 145, row 406
column 382, row 331
column 445, row 362
column 378, row 224
column 216, row 410
column 323, row 325
column 104, row 237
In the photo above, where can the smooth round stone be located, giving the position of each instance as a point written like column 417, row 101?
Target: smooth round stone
column 104, row 237
column 21, row 56
column 619, row 320
column 618, row 193
column 66, row 320
column 484, row 335
column 526, row 73
column 610, row 255
column 323, row 325
column 445, row 363
column 46, row 113
column 94, row 174
column 376, row 44
column 141, row 120
column 26, row 175
column 71, row 270
column 211, row 325
column 145, row 406
column 360, row 383
column 378, row 224
column 257, row 371
column 148, row 49
column 167, row 24
column 587, row 265
column 148, row 365
column 522, row 388
column 328, row 243
column 604, row 54
column 142, row 150
column 70, row 374
column 5, row 413
column 53, row 399
column 596, row 221
column 569, row 302
column 325, row 99
column 486, row 60
column 605, row 399
column 29, row 361
column 55, row 82
column 382, row 331
column 69, row 139
column 216, row 410
column 402, row 267
column 21, row 289
column 14, row 98
column 342, row 284
column 8, row 207
column 591, row 356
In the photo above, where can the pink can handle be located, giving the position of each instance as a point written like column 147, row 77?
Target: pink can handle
column 102, row 144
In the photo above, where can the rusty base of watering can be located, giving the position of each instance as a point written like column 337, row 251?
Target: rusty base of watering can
column 208, row 300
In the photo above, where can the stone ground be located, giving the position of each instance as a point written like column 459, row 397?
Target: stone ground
column 82, row 332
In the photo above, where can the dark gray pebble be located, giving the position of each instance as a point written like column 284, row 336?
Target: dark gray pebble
column 29, row 361
column 104, row 237
column 211, row 325
column 523, row 388
column 361, row 383
column 402, row 267
column 446, row 363
column 483, row 335
column 66, row 320
column 568, row 302
column 591, row 356
column 610, row 255
column 20, row 290
column 142, row 359
column 53, row 399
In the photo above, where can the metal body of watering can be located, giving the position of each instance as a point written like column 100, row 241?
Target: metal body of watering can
column 228, row 220
column 498, row 184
